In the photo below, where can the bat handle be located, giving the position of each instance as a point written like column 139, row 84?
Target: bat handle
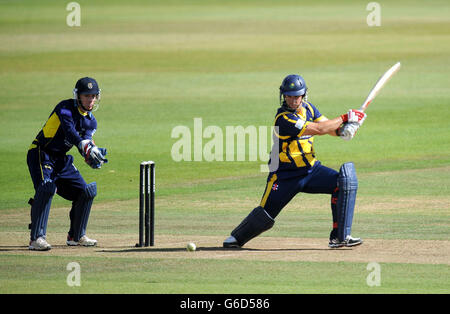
column 364, row 106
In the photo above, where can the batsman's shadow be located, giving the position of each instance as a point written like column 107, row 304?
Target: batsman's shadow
column 214, row 249
column 12, row 248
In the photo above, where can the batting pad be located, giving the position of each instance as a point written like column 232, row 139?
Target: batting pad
column 253, row 225
column 348, row 186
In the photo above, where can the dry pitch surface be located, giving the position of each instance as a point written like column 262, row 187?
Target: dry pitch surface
column 262, row 248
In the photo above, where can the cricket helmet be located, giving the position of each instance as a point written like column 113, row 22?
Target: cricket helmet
column 86, row 86
column 292, row 85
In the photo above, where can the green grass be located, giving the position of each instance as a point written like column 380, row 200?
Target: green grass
column 160, row 64
column 158, row 70
column 49, row 275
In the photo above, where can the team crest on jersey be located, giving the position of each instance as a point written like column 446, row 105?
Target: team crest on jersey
column 275, row 187
column 89, row 85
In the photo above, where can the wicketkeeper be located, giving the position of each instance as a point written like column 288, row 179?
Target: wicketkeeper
column 294, row 167
column 70, row 124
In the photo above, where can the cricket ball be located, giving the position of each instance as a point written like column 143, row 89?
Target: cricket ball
column 191, row 247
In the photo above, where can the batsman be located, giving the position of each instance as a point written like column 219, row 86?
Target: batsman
column 294, row 167
column 71, row 123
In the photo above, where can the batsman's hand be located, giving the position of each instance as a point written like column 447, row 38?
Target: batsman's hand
column 348, row 130
column 94, row 156
column 354, row 116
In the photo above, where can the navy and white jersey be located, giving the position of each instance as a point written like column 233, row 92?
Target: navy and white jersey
column 65, row 127
column 295, row 152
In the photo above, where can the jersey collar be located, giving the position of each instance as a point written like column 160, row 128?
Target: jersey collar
column 85, row 114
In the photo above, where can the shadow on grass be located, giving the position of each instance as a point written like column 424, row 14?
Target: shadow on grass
column 11, row 248
column 215, row 249
column 14, row 248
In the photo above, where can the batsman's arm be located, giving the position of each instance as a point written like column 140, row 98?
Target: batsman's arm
column 332, row 133
column 323, row 127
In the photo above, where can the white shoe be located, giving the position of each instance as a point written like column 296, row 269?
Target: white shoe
column 40, row 244
column 231, row 242
column 349, row 241
column 84, row 241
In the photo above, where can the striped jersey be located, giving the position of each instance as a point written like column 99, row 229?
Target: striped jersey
column 293, row 152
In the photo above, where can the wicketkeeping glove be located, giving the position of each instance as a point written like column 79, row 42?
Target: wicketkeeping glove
column 94, row 156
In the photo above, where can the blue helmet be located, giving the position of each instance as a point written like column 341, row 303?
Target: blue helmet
column 87, row 86
column 292, row 85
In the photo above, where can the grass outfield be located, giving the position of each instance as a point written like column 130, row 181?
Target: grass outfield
column 161, row 64
column 198, row 276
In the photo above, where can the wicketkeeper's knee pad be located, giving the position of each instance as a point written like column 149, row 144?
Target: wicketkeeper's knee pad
column 40, row 208
column 81, row 209
column 253, row 225
column 91, row 190
column 348, row 186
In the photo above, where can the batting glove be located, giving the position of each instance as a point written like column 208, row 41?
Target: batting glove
column 348, row 130
column 354, row 116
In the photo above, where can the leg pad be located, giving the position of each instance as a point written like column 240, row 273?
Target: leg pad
column 81, row 209
column 40, row 209
column 253, row 225
column 348, row 186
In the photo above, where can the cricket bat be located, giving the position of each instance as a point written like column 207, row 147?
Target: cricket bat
column 379, row 85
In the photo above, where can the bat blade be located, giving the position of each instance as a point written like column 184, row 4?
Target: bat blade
column 379, row 85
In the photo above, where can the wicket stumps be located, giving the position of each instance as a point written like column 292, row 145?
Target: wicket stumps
column 147, row 204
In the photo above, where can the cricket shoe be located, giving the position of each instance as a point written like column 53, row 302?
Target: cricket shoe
column 231, row 243
column 84, row 241
column 40, row 244
column 348, row 242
